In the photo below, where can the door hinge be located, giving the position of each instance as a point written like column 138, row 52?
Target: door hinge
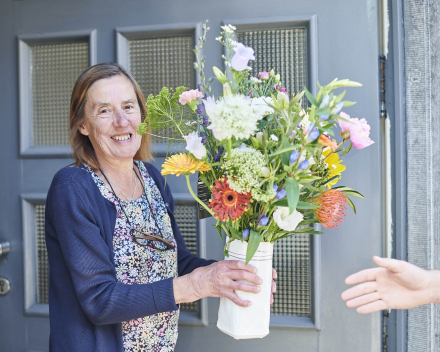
column 383, row 111
column 385, row 316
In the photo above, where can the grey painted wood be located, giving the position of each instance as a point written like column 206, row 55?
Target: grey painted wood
column 347, row 47
column 422, row 67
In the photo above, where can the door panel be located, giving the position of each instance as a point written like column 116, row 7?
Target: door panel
column 342, row 43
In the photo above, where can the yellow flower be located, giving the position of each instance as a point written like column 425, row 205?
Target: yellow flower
column 182, row 164
column 334, row 165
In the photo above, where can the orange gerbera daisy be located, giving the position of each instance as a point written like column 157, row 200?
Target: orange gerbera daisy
column 183, row 164
column 332, row 208
column 227, row 202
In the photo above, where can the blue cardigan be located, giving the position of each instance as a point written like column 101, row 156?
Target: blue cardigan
column 86, row 302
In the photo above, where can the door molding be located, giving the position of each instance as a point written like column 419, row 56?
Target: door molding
column 25, row 42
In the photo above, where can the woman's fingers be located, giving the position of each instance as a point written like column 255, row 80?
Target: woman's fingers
column 246, row 276
column 239, row 265
column 359, row 290
column 363, row 300
column 274, row 287
column 372, row 307
column 274, row 273
column 362, row 276
column 237, row 300
column 394, row 265
column 245, row 287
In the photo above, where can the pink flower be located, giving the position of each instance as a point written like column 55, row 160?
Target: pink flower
column 359, row 131
column 264, row 75
column 190, row 95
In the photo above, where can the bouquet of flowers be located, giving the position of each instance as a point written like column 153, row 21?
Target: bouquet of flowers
column 269, row 159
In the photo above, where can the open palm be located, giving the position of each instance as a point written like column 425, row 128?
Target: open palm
column 395, row 284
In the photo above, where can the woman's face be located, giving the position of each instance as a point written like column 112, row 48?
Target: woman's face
column 112, row 116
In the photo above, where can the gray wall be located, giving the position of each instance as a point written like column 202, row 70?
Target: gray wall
column 422, row 67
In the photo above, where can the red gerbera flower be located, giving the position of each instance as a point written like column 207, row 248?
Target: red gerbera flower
column 227, row 202
column 332, row 208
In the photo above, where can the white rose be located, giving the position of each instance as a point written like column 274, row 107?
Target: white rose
column 194, row 145
column 286, row 221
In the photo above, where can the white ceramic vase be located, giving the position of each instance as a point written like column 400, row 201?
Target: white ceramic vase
column 249, row 322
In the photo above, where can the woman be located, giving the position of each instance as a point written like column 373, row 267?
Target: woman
column 119, row 266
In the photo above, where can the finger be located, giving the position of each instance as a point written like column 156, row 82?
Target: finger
column 274, row 287
column 271, row 298
column 362, row 276
column 239, row 265
column 372, row 307
column 246, row 276
column 363, row 300
column 241, row 286
column 394, row 265
column 359, row 290
column 274, row 273
column 237, row 300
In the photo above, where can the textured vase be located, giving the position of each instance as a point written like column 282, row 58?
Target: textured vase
column 249, row 322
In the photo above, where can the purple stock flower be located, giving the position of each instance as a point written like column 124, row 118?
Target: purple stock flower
column 281, row 194
column 263, row 221
column 219, row 154
column 200, row 109
column 245, row 233
column 314, row 134
column 304, row 165
column 241, row 57
column 205, row 121
column 203, row 137
column 294, row 156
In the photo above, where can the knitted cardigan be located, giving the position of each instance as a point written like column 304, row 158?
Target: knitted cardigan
column 86, row 302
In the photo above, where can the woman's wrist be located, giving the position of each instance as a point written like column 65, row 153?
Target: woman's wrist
column 434, row 286
column 184, row 289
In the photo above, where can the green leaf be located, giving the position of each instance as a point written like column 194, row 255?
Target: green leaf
column 304, row 230
column 330, row 180
column 349, row 191
column 292, row 189
column 218, row 227
column 340, row 97
column 309, row 221
column 323, row 111
column 310, row 97
column 254, row 242
column 347, row 150
column 286, row 155
column 305, row 205
column 286, row 149
column 351, row 204
column 348, row 103
column 235, row 234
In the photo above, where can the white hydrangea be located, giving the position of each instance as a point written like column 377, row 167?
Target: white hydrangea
column 244, row 173
column 231, row 116
column 260, row 105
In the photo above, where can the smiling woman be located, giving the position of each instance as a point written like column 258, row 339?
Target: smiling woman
column 119, row 266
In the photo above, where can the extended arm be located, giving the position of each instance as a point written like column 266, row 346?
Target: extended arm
column 396, row 284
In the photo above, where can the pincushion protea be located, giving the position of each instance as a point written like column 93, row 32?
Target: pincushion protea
column 332, row 208
column 228, row 203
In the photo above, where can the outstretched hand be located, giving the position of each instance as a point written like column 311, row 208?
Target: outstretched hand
column 396, row 284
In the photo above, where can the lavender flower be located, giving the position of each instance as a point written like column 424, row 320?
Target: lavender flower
column 314, row 134
column 304, row 165
column 263, row 221
column 281, row 194
column 219, row 154
column 201, row 109
column 294, row 156
column 241, row 57
column 203, row 137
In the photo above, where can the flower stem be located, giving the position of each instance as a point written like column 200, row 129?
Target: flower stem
column 229, row 147
column 202, row 204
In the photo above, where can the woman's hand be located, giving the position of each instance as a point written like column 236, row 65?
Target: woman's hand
column 218, row 280
column 396, row 284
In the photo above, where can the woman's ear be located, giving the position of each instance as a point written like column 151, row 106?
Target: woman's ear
column 83, row 130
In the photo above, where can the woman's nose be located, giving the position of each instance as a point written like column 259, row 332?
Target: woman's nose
column 120, row 119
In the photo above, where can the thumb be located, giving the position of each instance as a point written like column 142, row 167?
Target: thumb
column 394, row 265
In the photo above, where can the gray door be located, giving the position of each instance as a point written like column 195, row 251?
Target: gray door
column 45, row 44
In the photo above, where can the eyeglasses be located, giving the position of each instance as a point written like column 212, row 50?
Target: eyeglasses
column 149, row 240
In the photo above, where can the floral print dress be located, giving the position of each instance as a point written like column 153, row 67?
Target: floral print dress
column 137, row 264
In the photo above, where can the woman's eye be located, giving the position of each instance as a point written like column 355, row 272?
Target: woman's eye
column 128, row 107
